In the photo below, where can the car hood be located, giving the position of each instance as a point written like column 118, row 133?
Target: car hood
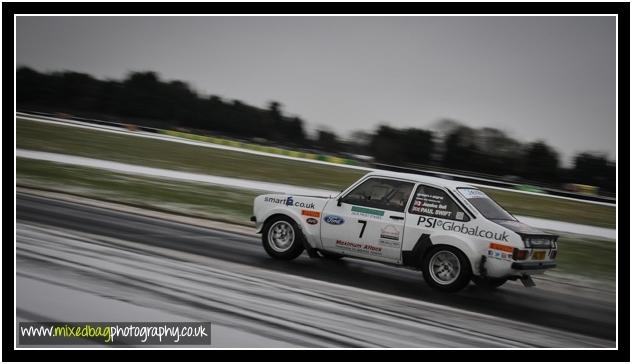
column 521, row 228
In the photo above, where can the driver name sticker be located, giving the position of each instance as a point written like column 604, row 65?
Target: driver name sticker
column 432, row 204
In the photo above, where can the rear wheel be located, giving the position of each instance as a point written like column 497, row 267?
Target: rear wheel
column 282, row 239
column 446, row 268
column 488, row 282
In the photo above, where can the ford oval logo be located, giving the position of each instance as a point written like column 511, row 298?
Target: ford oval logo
column 334, row 220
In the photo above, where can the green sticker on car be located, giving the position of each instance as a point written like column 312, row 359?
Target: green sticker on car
column 365, row 210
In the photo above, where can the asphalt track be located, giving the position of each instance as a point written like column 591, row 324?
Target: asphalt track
column 68, row 250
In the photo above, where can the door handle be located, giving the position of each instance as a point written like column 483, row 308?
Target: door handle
column 396, row 217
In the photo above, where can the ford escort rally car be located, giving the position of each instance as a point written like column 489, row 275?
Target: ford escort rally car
column 451, row 231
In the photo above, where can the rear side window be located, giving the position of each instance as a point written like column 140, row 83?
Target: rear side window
column 431, row 201
column 485, row 205
column 381, row 193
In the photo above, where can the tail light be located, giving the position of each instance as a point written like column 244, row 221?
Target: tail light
column 520, row 254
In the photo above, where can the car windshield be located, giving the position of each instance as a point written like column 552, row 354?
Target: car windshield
column 485, row 205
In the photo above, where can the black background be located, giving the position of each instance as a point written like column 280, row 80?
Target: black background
column 357, row 355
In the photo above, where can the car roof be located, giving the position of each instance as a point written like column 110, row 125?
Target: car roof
column 420, row 179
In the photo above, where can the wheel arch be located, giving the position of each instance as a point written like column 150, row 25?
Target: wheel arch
column 472, row 255
column 426, row 242
column 278, row 213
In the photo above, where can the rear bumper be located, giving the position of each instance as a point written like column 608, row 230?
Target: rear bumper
column 532, row 265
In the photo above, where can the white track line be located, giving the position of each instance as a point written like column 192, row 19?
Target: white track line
column 267, row 186
column 142, row 134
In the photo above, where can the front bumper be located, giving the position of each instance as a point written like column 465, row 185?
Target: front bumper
column 532, row 265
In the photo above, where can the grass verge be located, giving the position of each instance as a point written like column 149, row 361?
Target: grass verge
column 177, row 156
column 194, row 199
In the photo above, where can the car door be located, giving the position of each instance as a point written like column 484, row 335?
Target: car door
column 368, row 221
column 433, row 211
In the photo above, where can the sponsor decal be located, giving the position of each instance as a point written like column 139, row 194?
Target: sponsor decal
column 312, row 221
column 432, row 205
column 498, row 255
column 280, row 201
column 389, row 236
column 431, row 222
column 289, row 201
column 310, row 213
column 367, row 212
column 389, row 232
column 471, row 193
column 501, row 247
column 359, row 247
column 434, row 202
column 334, row 220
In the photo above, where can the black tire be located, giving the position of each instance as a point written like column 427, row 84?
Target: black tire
column 488, row 283
column 463, row 272
column 330, row 256
column 275, row 250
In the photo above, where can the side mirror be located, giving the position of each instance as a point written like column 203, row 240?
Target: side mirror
column 339, row 201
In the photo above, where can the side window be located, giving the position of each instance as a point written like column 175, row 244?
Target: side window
column 381, row 193
column 430, row 201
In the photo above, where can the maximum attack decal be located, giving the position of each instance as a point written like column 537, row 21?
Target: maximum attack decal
column 289, row 201
column 431, row 222
column 359, row 247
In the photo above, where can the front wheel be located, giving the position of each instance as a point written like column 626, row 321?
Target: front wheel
column 282, row 239
column 446, row 268
column 488, row 283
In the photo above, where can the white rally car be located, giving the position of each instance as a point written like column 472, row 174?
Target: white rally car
column 450, row 231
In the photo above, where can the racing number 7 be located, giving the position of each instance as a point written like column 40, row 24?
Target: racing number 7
column 363, row 222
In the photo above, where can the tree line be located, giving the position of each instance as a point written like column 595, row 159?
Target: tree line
column 145, row 99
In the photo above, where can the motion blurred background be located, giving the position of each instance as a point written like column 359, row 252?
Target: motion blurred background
column 528, row 99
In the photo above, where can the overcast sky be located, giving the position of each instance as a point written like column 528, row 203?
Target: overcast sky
column 550, row 78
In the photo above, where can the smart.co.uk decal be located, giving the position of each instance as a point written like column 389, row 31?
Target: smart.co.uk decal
column 289, row 201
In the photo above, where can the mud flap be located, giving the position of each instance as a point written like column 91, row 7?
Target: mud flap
column 311, row 252
column 527, row 281
column 482, row 270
